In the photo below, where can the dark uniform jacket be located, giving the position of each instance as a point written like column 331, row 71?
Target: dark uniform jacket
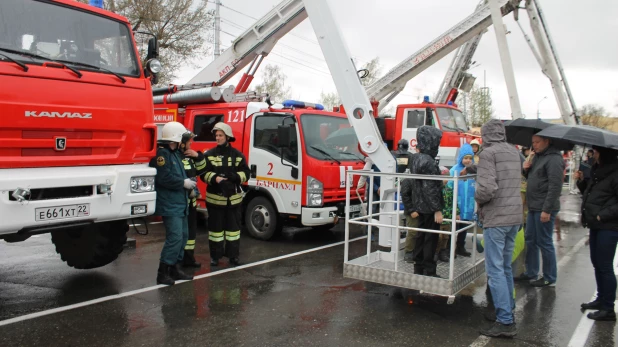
column 169, row 183
column 544, row 181
column 424, row 196
column 600, row 198
column 194, row 167
column 225, row 161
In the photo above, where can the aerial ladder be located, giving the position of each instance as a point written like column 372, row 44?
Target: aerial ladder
column 251, row 47
column 463, row 36
column 458, row 78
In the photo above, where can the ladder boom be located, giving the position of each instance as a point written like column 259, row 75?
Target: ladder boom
column 259, row 39
column 453, row 38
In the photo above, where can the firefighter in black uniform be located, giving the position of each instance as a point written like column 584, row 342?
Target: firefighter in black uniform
column 195, row 166
column 226, row 171
column 173, row 187
column 402, row 155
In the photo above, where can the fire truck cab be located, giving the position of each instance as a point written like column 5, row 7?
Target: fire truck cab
column 298, row 154
column 446, row 117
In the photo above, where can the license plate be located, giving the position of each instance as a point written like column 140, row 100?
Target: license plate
column 61, row 212
column 355, row 208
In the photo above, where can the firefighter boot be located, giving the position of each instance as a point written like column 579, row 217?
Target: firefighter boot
column 189, row 260
column 164, row 275
column 214, row 262
column 178, row 275
column 234, row 261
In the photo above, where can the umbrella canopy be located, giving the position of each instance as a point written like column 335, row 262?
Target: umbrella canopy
column 582, row 135
column 519, row 132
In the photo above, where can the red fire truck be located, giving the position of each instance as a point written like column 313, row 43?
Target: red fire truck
column 298, row 154
column 76, row 132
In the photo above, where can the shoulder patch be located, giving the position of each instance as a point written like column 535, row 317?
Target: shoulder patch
column 160, row 160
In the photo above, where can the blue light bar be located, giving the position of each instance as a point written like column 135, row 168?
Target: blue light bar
column 96, row 3
column 301, row 104
column 450, row 103
column 426, row 98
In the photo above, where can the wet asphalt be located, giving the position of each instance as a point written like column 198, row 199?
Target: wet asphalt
column 299, row 300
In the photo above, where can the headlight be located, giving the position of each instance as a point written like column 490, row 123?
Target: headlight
column 315, row 192
column 142, row 184
column 154, row 66
column 314, row 200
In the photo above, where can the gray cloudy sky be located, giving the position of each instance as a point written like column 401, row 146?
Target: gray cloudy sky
column 584, row 33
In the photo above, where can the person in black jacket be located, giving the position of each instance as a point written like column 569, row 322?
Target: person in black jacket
column 600, row 214
column 422, row 199
column 226, row 171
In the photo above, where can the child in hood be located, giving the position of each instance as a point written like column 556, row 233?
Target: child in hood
column 442, row 252
column 423, row 199
column 465, row 194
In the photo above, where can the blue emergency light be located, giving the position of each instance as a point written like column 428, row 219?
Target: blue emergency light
column 450, row 103
column 301, row 104
column 96, row 3
column 426, row 98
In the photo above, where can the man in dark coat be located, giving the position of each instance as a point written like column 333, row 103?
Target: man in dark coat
column 544, row 173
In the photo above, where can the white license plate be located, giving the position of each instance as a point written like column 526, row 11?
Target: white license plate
column 61, row 212
column 355, row 208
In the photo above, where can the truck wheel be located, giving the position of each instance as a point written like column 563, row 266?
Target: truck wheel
column 262, row 219
column 92, row 246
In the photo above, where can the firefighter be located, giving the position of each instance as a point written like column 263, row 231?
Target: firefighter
column 402, row 155
column 226, row 170
column 173, row 188
column 194, row 164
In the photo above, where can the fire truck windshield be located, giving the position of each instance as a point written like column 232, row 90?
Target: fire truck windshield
column 329, row 138
column 35, row 31
column 451, row 119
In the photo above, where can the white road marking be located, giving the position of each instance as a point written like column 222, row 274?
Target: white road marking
column 581, row 333
column 483, row 340
column 148, row 289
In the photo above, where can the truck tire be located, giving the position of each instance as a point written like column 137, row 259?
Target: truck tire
column 92, row 246
column 261, row 219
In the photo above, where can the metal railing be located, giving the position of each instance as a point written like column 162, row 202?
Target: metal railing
column 369, row 221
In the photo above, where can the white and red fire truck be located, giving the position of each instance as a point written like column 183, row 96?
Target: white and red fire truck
column 298, row 154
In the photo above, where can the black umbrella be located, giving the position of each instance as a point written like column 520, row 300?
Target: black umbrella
column 519, row 132
column 584, row 135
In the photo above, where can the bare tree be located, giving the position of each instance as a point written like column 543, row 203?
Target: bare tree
column 273, row 83
column 480, row 109
column 595, row 115
column 329, row 100
column 374, row 71
column 181, row 27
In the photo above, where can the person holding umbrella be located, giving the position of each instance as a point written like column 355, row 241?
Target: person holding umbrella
column 600, row 214
column 599, row 208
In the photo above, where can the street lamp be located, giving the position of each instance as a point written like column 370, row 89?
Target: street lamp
column 538, row 114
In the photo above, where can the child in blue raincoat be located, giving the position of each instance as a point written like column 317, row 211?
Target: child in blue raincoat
column 465, row 194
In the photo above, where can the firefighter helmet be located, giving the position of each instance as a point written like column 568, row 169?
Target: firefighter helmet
column 173, row 132
column 227, row 130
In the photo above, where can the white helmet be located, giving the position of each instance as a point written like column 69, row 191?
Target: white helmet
column 227, row 130
column 173, row 132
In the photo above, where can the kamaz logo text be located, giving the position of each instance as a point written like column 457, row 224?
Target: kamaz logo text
column 38, row 114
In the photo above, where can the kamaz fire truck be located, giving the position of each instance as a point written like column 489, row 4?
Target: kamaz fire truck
column 76, row 130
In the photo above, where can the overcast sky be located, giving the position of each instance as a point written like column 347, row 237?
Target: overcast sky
column 585, row 33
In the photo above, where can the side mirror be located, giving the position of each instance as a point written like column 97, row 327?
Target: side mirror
column 429, row 112
column 153, row 49
column 285, row 135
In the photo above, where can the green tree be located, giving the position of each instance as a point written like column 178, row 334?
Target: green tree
column 479, row 104
column 181, row 28
column 329, row 100
column 273, row 83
